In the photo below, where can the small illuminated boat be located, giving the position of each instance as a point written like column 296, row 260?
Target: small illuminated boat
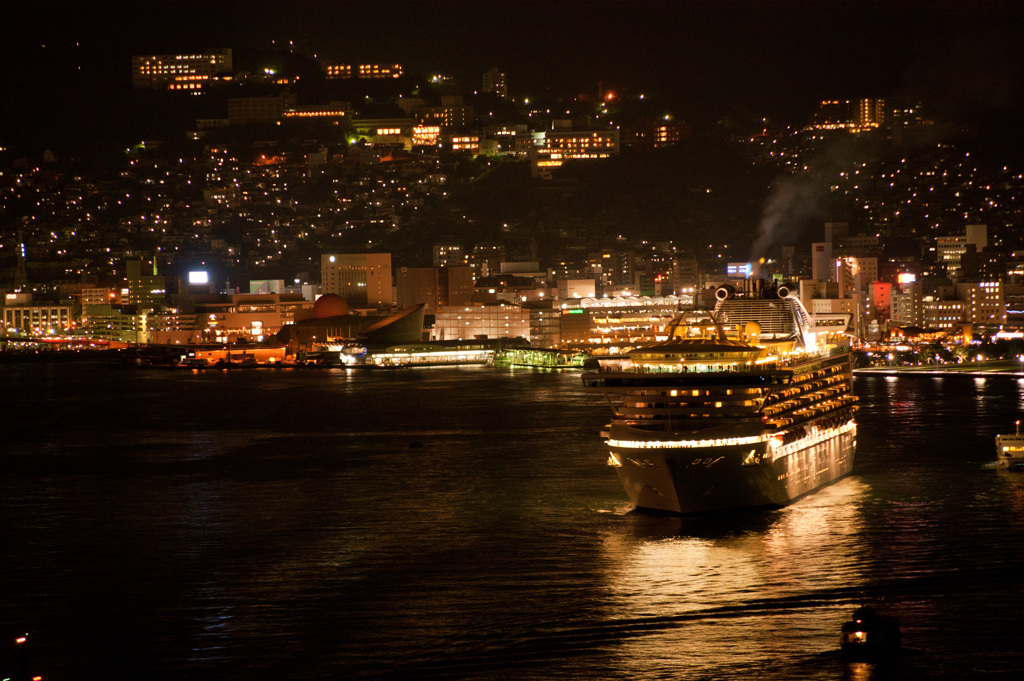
column 1010, row 451
column 870, row 637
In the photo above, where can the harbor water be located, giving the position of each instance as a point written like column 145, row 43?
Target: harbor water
column 462, row 523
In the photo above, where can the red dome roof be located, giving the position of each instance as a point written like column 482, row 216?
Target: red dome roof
column 330, row 305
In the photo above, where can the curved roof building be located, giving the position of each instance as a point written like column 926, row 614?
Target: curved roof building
column 331, row 322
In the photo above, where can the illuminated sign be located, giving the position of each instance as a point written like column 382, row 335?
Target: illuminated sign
column 739, row 269
column 198, row 277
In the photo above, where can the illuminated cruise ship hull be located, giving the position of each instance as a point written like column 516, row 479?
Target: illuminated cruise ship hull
column 749, row 405
column 696, row 475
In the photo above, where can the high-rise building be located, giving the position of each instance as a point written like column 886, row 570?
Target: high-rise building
column 944, row 315
column 685, row 276
column 435, row 287
column 448, row 254
column 614, row 268
column 362, row 279
column 415, row 285
column 453, row 113
column 907, row 305
column 187, row 72
column 245, row 110
column 494, row 81
column 855, row 275
column 486, row 258
column 455, row 285
column 950, row 250
column 871, row 113
column 977, row 235
column 880, row 296
column 146, row 291
column 853, row 115
column 983, row 302
column 821, row 262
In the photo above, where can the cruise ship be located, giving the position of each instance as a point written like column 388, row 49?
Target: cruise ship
column 750, row 404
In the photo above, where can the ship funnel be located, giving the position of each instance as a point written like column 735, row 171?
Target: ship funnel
column 724, row 292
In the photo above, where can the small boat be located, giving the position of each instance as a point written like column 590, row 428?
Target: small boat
column 1010, row 451
column 870, row 637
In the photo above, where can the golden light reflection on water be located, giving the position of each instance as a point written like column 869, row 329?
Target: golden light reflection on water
column 710, row 595
column 1014, row 486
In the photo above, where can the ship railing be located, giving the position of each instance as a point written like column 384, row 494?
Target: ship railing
column 690, row 368
column 620, row 366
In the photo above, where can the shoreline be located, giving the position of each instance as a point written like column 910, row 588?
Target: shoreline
column 1010, row 368
column 1013, row 369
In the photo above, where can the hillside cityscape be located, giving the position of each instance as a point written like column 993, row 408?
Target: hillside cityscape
column 228, row 194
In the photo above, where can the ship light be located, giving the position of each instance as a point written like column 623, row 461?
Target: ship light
column 812, row 438
column 687, row 444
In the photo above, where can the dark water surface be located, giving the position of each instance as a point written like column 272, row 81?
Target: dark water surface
column 462, row 523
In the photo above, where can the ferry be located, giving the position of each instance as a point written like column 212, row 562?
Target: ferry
column 540, row 358
column 1010, row 451
column 749, row 404
column 870, row 637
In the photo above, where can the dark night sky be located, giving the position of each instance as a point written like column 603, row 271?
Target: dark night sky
column 767, row 57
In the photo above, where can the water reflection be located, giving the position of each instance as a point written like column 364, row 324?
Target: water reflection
column 1013, row 482
column 711, row 595
column 869, row 671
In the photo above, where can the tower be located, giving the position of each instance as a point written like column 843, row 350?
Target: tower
column 494, row 81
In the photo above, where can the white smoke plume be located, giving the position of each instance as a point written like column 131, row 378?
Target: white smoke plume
column 801, row 202
column 795, row 202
